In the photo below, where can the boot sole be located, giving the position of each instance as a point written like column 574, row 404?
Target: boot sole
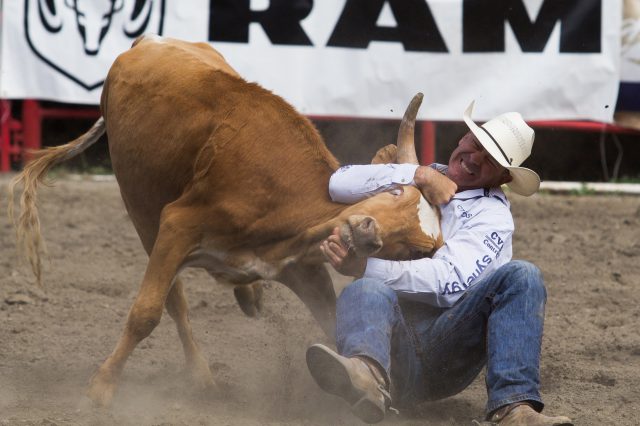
column 333, row 377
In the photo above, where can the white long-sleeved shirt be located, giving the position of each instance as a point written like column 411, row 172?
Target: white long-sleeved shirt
column 477, row 227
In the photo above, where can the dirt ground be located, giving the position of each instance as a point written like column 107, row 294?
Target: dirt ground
column 587, row 246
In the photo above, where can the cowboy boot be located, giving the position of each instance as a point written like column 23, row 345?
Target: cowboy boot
column 522, row 414
column 356, row 380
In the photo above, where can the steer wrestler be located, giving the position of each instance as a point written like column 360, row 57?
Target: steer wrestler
column 412, row 331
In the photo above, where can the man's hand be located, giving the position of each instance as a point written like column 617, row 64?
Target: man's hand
column 339, row 256
column 436, row 187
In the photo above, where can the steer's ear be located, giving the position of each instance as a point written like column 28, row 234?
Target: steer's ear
column 386, row 155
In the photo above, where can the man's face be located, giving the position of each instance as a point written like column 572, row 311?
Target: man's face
column 471, row 167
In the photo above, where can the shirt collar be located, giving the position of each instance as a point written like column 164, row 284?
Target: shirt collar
column 481, row 192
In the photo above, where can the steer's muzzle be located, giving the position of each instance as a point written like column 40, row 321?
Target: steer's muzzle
column 362, row 234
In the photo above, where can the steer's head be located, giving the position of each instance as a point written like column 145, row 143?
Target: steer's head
column 395, row 225
column 400, row 224
column 407, row 226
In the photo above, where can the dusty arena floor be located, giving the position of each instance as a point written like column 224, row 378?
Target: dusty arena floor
column 587, row 246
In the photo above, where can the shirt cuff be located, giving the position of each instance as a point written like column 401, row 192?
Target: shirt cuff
column 376, row 268
column 404, row 173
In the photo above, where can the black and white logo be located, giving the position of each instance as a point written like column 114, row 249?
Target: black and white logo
column 81, row 38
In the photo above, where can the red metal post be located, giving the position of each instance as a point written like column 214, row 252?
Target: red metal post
column 32, row 127
column 5, row 132
column 427, row 142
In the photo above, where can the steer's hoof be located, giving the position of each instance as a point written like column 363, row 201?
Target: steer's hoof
column 249, row 298
column 200, row 376
column 101, row 389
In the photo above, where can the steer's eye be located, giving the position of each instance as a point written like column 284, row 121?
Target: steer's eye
column 415, row 254
column 398, row 190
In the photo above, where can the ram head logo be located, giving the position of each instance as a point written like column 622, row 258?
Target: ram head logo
column 81, row 38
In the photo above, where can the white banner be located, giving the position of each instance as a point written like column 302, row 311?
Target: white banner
column 548, row 59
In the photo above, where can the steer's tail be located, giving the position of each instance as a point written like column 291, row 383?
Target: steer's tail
column 29, row 239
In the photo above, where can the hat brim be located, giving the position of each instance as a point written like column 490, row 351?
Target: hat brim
column 525, row 181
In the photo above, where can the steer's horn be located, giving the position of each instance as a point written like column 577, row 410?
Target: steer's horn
column 50, row 17
column 406, row 143
column 139, row 19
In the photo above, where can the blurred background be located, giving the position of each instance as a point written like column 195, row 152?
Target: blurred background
column 572, row 68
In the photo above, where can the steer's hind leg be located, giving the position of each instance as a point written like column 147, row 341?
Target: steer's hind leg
column 313, row 285
column 175, row 238
column 249, row 298
column 197, row 366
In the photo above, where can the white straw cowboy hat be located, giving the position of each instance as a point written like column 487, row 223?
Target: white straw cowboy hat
column 508, row 139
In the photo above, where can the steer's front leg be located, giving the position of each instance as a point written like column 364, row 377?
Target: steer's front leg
column 171, row 248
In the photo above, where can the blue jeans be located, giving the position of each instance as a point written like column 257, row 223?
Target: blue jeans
column 431, row 353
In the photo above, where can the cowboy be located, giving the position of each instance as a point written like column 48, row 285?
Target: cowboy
column 418, row 330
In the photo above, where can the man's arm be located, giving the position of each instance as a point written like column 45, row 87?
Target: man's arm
column 465, row 257
column 439, row 281
column 350, row 184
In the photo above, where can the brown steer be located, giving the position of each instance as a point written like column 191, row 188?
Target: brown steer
column 219, row 173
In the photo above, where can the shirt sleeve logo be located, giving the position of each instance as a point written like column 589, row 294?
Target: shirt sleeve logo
column 456, row 287
column 464, row 213
column 494, row 242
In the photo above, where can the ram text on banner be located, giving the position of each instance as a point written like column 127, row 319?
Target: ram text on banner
column 549, row 59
